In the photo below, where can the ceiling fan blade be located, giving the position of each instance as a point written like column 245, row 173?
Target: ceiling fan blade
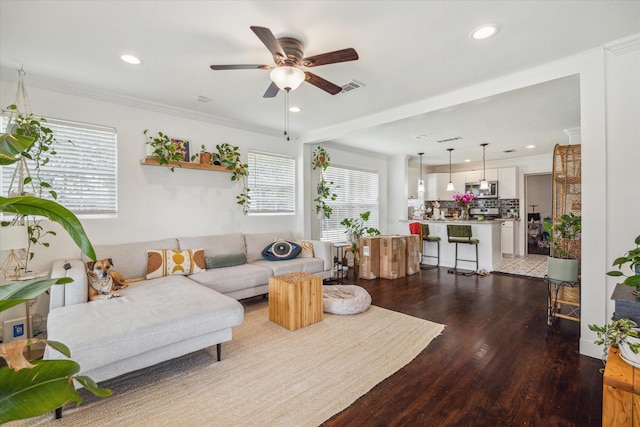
column 321, row 83
column 272, row 91
column 266, row 36
column 343, row 55
column 241, row 67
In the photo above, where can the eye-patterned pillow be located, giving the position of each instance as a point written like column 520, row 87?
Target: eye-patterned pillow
column 281, row 250
column 166, row 262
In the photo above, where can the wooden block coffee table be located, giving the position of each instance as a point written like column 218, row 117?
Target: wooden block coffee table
column 295, row 300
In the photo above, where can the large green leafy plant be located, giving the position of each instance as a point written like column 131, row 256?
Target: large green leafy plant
column 564, row 236
column 356, row 228
column 631, row 257
column 321, row 161
column 32, row 389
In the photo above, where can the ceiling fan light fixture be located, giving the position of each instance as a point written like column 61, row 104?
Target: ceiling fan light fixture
column 287, row 78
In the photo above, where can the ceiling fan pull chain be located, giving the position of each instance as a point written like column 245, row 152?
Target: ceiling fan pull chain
column 286, row 114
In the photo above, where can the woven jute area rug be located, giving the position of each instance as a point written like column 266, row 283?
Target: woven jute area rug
column 269, row 376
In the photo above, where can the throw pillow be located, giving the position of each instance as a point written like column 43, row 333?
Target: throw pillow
column 166, row 262
column 307, row 249
column 281, row 250
column 225, row 260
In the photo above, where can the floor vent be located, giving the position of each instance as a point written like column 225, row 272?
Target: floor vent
column 351, row 86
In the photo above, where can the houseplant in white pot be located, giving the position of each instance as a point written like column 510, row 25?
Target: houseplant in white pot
column 562, row 264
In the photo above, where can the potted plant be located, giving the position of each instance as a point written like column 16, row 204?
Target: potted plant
column 321, row 160
column 164, row 150
column 355, row 228
column 619, row 333
column 230, row 158
column 32, row 389
column 632, row 258
column 562, row 264
column 204, row 155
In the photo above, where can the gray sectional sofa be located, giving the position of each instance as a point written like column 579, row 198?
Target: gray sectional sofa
column 163, row 318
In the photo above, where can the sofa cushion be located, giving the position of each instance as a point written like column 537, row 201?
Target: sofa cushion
column 281, row 250
column 221, row 244
column 130, row 259
column 307, row 249
column 149, row 314
column 230, row 279
column 166, row 262
column 256, row 242
column 225, row 260
column 305, row 265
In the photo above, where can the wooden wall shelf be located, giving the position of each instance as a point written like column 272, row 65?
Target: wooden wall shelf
column 149, row 161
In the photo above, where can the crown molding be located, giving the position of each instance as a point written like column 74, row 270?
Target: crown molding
column 11, row 76
column 625, row 45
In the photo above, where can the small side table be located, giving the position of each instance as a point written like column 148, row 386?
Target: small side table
column 554, row 302
column 620, row 398
column 295, row 300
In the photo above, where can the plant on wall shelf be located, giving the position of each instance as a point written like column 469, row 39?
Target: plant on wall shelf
column 164, row 150
column 321, row 160
column 204, row 155
column 230, row 158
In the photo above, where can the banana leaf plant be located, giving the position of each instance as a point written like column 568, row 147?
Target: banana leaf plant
column 32, row 389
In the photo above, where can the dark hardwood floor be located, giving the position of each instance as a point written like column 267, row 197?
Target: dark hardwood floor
column 492, row 365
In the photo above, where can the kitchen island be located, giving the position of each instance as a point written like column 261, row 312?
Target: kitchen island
column 489, row 248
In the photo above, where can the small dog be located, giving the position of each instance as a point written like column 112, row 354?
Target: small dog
column 103, row 282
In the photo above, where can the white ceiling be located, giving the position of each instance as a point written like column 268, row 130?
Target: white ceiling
column 409, row 51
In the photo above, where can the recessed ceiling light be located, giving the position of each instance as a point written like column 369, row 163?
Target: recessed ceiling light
column 467, row 160
column 529, row 147
column 484, row 32
column 295, row 109
column 130, row 59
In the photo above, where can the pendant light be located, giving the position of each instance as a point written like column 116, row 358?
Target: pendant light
column 420, row 181
column 450, row 186
column 484, row 185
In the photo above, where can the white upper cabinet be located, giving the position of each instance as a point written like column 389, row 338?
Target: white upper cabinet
column 472, row 176
column 508, row 183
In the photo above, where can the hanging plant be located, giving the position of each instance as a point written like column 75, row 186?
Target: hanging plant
column 321, row 160
column 230, row 158
column 164, row 150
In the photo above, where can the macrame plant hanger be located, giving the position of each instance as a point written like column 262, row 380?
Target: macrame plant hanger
column 21, row 172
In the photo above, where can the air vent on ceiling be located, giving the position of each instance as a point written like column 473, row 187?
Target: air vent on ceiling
column 450, row 139
column 351, row 86
column 509, row 151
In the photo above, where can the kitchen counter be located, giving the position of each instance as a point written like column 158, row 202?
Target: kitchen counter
column 489, row 248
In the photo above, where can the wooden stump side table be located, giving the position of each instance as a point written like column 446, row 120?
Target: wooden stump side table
column 295, row 300
column 620, row 392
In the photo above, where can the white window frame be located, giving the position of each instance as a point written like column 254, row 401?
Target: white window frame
column 272, row 183
column 83, row 172
column 358, row 191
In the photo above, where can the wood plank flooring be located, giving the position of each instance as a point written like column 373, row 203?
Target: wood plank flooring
column 490, row 367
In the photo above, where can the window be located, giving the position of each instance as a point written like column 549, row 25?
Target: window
column 272, row 183
column 357, row 193
column 82, row 173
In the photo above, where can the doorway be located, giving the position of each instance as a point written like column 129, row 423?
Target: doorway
column 538, row 201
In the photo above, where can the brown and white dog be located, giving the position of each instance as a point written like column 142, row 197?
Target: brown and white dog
column 103, row 281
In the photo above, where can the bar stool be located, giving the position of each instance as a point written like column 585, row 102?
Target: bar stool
column 462, row 234
column 426, row 238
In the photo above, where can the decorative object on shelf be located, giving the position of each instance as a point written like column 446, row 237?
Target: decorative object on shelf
column 182, row 146
column 204, row 155
column 13, row 238
column 464, row 200
column 619, row 333
column 355, row 228
column 165, row 151
column 484, row 185
column 230, row 159
column 420, row 181
column 321, row 160
column 450, row 186
column 47, row 385
column 631, row 257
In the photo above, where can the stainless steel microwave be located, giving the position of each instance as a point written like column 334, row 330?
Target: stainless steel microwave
column 491, row 193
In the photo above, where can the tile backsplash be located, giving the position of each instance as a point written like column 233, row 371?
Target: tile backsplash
column 503, row 204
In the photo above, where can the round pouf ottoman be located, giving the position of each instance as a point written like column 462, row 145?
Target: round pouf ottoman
column 345, row 299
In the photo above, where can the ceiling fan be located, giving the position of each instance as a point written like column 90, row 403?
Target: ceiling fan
column 288, row 54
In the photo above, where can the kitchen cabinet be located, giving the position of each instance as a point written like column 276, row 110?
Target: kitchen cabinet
column 436, row 186
column 459, row 180
column 509, row 238
column 508, row 183
column 476, row 176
